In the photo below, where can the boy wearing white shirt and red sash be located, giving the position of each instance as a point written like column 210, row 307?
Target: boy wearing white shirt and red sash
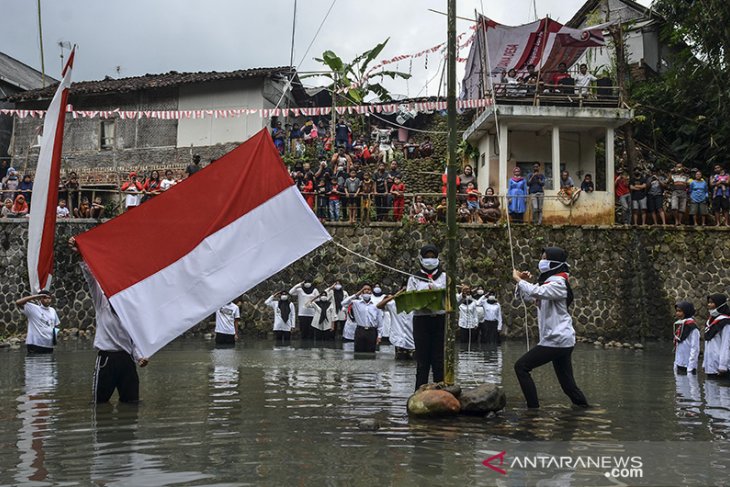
column 686, row 339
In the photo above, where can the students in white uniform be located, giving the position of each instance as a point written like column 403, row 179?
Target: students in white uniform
column 339, row 294
column 686, row 339
column 325, row 316
column 368, row 318
column 378, row 297
column 716, row 361
column 557, row 336
column 284, row 315
column 227, row 318
column 428, row 326
column 118, row 357
column 468, row 316
column 304, row 292
column 491, row 324
column 401, row 328
column 42, row 322
column 348, row 330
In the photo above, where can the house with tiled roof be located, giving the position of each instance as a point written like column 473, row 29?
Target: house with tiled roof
column 99, row 148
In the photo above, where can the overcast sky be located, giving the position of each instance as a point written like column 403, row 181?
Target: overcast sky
column 156, row 36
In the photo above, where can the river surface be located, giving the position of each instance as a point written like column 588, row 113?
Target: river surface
column 310, row 415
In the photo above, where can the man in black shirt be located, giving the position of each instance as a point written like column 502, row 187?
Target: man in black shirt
column 194, row 167
column 381, row 192
column 637, row 185
column 342, row 134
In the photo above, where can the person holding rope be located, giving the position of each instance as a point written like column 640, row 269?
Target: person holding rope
column 428, row 326
column 553, row 296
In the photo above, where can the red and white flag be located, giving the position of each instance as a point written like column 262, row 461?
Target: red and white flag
column 42, row 224
column 170, row 262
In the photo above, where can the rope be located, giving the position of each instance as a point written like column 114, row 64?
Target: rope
column 386, row 266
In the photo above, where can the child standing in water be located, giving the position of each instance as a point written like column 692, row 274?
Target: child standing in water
column 686, row 339
column 553, row 296
column 284, row 316
column 717, row 340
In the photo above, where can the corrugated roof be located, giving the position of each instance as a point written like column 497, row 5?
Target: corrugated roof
column 20, row 74
column 591, row 5
column 150, row 82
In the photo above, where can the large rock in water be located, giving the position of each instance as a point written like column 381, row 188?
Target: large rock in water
column 432, row 403
column 482, row 399
column 454, row 389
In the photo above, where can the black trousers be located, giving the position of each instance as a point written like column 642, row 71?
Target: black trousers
column 33, row 349
column 403, row 353
column 562, row 363
column 115, row 370
column 323, row 336
column 366, row 339
column 282, row 336
column 225, row 339
column 488, row 332
column 305, row 327
column 469, row 335
column 428, row 336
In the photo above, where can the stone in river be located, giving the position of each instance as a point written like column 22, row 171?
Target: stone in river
column 482, row 399
column 432, row 403
column 454, row 389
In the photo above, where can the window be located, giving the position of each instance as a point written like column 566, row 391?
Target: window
column 106, row 135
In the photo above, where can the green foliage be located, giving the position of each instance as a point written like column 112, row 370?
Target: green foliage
column 684, row 112
column 355, row 78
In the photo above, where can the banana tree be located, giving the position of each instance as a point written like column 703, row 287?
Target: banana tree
column 354, row 80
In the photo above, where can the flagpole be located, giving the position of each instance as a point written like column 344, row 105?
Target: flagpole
column 452, row 167
column 40, row 38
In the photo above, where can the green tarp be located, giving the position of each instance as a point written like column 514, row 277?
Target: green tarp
column 430, row 299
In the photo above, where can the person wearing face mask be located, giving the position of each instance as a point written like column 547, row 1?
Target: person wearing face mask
column 686, row 339
column 284, row 315
column 468, row 316
column 553, row 296
column 368, row 318
column 304, row 292
column 325, row 316
column 338, row 294
column 428, row 325
column 491, row 326
column 716, row 361
column 378, row 297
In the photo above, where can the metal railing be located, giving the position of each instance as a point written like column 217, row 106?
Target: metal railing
column 560, row 94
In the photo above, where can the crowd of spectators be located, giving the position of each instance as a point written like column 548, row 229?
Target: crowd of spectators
column 529, row 81
column 655, row 196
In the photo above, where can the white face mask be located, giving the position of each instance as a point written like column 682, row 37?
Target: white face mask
column 492, row 299
column 338, row 286
column 377, row 291
column 429, row 263
column 480, row 292
column 544, row 264
column 284, row 298
column 307, row 284
column 714, row 313
column 366, row 297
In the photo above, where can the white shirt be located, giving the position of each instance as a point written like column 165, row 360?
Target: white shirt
column 366, row 314
column 110, row 335
column 717, row 350
column 468, row 317
column 41, row 321
column 330, row 315
column 688, row 351
column 348, row 331
column 133, row 197
column 166, row 184
column 279, row 323
column 401, row 327
column 225, row 319
column 553, row 319
column 303, row 298
column 421, row 285
column 491, row 312
column 386, row 316
column 62, row 212
column 583, row 81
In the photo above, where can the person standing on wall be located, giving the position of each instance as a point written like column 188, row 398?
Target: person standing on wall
column 428, row 326
column 553, row 296
column 536, row 189
column 42, row 322
column 118, row 357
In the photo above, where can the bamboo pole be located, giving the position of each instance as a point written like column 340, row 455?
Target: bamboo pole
column 451, row 169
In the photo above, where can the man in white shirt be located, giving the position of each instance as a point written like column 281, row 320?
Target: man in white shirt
column 227, row 318
column 401, row 328
column 491, row 324
column 305, row 292
column 369, row 320
column 168, row 182
column 42, row 322
column 118, row 356
column 583, row 80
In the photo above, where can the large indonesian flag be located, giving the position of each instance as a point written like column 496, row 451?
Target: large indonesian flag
column 175, row 259
column 42, row 225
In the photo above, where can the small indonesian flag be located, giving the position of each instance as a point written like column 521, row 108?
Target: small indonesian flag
column 42, row 224
column 177, row 258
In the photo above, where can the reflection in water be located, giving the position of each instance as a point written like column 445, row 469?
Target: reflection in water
column 35, row 409
column 313, row 415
